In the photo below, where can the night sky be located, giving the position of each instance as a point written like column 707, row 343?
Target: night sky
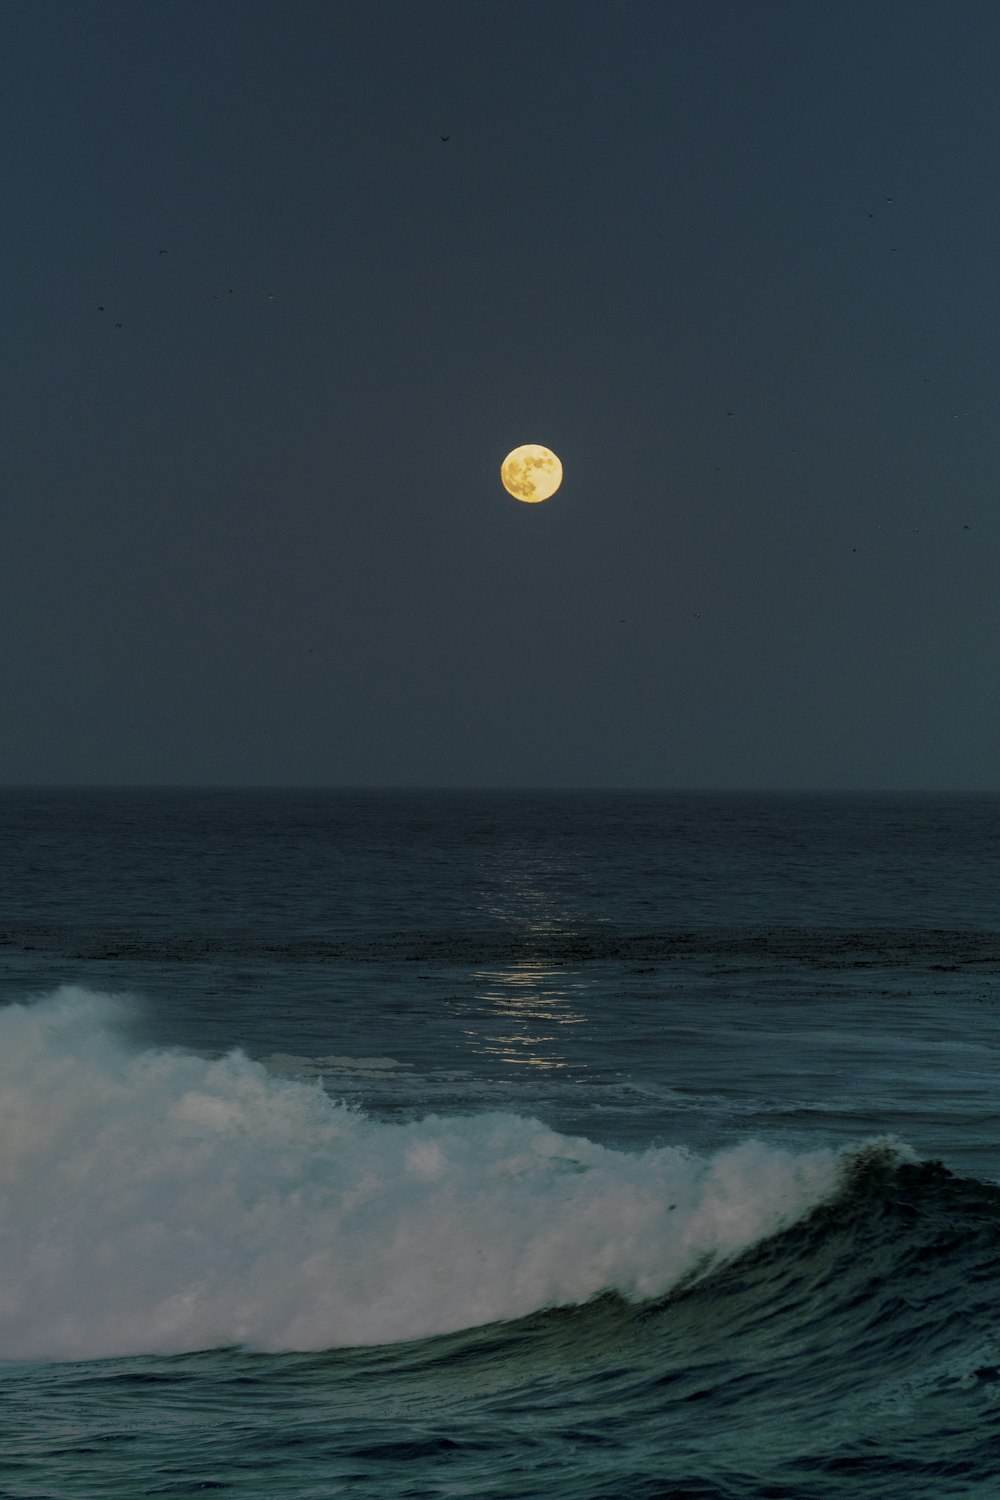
column 736, row 261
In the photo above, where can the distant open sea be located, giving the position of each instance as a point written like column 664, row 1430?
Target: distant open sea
column 586, row 1146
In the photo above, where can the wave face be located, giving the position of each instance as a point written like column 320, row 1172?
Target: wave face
column 154, row 1201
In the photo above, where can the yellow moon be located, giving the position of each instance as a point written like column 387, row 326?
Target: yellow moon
column 531, row 473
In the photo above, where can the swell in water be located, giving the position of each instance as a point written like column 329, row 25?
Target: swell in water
column 155, row 1201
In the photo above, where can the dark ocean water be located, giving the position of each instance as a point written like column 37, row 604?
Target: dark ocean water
column 505, row 1145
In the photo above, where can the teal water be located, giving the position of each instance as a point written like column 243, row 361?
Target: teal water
column 411, row 1144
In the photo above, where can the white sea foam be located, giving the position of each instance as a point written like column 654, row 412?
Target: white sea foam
column 157, row 1201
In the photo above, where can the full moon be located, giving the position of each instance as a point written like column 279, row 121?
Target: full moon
column 531, row 473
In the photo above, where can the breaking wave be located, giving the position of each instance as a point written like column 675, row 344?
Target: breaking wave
column 155, row 1201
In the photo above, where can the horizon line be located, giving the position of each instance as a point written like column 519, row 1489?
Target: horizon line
column 501, row 787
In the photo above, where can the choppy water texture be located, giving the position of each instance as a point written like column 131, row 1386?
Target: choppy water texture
column 498, row 1145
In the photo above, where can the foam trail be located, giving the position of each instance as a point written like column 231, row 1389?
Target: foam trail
column 156, row 1202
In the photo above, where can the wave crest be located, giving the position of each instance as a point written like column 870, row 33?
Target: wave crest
column 153, row 1201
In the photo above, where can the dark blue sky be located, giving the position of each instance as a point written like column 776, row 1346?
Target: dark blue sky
column 738, row 263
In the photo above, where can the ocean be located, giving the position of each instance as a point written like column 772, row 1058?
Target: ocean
column 574, row 1145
